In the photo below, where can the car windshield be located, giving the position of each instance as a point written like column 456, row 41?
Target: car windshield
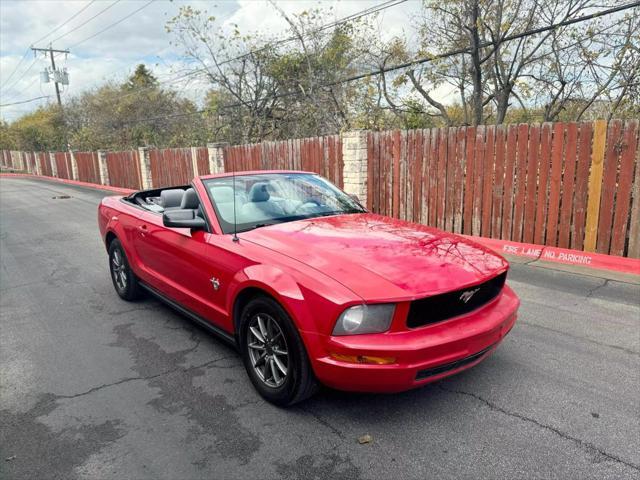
column 270, row 198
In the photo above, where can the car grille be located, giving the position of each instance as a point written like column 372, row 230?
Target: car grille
column 430, row 372
column 437, row 308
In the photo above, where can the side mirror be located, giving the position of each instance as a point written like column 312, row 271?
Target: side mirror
column 183, row 219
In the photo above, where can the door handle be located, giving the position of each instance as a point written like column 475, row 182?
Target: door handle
column 142, row 229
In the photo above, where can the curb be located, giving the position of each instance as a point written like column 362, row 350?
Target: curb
column 564, row 256
column 71, row 182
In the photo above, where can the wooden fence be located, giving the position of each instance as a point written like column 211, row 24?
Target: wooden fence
column 123, row 169
column 570, row 185
column 322, row 155
column 562, row 184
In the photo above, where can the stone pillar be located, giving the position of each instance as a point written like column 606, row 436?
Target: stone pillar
column 74, row 166
column 216, row 157
column 102, row 167
column 54, row 167
column 354, row 157
column 145, row 168
column 194, row 161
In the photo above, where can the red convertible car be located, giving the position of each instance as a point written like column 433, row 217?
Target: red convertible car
column 309, row 286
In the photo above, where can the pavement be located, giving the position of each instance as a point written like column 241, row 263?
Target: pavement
column 95, row 387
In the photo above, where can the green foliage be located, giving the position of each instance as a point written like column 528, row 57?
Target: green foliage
column 42, row 129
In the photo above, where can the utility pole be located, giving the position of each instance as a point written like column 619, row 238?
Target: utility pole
column 53, row 67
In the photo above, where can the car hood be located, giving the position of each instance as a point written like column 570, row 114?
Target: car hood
column 380, row 258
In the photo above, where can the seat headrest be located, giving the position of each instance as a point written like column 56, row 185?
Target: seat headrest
column 222, row 194
column 190, row 200
column 259, row 192
column 171, row 198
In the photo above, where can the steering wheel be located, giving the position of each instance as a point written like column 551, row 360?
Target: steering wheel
column 309, row 202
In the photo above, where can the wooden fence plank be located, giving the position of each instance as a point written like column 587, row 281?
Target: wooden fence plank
column 426, row 174
column 533, row 160
column 509, row 169
column 544, row 172
column 442, row 178
column 409, row 160
column 568, row 183
column 521, row 176
column 498, row 186
column 609, row 183
column 623, row 193
column 595, row 184
column 478, row 169
column 488, row 180
column 555, row 184
column 469, row 181
column 395, row 204
column 433, row 177
column 417, row 178
column 461, row 135
column 403, row 175
column 581, row 188
column 451, row 179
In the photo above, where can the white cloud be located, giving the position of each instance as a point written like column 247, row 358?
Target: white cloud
column 141, row 38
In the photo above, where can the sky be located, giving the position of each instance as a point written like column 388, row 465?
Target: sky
column 141, row 38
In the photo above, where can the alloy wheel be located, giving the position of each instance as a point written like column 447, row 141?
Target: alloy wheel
column 268, row 350
column 118, row 270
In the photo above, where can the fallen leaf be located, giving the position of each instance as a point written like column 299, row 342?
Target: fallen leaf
column 365, row 439
column 8, row 459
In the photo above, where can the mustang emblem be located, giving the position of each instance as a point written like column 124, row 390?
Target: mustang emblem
column 215, row 282
column 466, row 296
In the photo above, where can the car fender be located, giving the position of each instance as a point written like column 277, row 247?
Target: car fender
column 275, row 282
column 113, row 226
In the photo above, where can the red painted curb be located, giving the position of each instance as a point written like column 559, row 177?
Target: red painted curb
column 72, row 182
column 539, row 252
column 562, row 255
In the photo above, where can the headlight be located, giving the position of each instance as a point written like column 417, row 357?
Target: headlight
column 365, row 319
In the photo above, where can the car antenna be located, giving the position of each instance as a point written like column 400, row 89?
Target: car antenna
column 235, row 220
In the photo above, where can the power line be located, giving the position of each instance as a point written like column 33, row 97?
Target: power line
column 42, row 38
column 113, row 24
column 17, row 66
column 66, row 21
column 15, row 82
column 24, row 101
column 85, row 22
column 412, row 63
column 348, row 18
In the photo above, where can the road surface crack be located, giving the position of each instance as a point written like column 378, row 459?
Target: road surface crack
column 148, row 377
column 596, row 288
column 324, row 422
column 581, row 443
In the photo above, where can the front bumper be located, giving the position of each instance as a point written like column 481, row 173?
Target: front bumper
column 423, row 355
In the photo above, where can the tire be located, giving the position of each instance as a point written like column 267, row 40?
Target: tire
column 123, row 278
column 281, row 387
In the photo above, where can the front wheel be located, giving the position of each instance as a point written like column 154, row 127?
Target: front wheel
column 273, row 353
column 124, row 280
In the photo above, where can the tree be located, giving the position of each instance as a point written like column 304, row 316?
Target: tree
column 42, row 129
column 141, row 78
column 277, row 89
column 136, row 113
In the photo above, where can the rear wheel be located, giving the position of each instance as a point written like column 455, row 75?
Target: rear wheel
column 273, row 353
column 124, row 280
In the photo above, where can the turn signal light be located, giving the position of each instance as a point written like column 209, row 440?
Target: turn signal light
column 369, row 359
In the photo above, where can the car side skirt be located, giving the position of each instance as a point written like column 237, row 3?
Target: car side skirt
column 194, row 317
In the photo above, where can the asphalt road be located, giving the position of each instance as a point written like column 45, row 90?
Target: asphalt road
column 94, row 387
